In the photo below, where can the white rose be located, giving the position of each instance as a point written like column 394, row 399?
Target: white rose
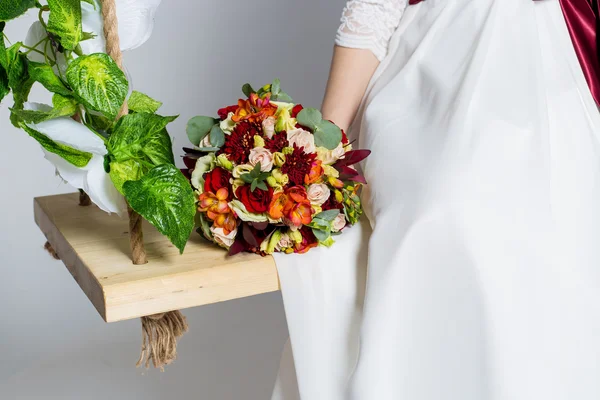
column 221, row 238
column 339, row 223
column 262, row 156
column 302, row 138
column 329, row 157
column 318, row 193
column 203, row 165
column 285, row 242
column 228, row 124
column 269, row 127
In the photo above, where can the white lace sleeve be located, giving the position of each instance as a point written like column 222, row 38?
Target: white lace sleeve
column 369, row 24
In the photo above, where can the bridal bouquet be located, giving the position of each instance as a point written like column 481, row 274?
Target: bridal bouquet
column 272, row 176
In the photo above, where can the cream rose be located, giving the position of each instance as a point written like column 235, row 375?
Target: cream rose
column 339, row 223
column 302, row 138
column 228, row 124
column 318, row 193
column 269, row 126
column 262, row 156
column 285, row 242
column 221, row 238
column 329, row 157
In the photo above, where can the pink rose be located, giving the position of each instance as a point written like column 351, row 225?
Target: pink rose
column 221, row 238
column 318, row 193
column 269, row 127
column 262, row 156
column 285, row 242
column 339, row 223
column 302, row 138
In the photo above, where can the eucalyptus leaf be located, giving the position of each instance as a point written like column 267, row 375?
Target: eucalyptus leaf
column 282, row 96
column 276, row 87
column 99, row 83
column 164, row 198
column 76, row 157
column 207, row 149
column 11, row 9
column 65, row 22
column 247, row 89
column 327, row 135
column 217, row 136
column 44, row 74
column 322, row 236
column 328, row 215
column 310, row 118
column 140, row 102
column 198, row 127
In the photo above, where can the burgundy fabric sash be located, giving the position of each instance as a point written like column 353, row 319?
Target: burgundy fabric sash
column 583, row 21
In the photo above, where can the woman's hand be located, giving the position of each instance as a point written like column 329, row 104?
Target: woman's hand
column 351, row 71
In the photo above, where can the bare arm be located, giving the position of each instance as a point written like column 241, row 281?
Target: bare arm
column 351, row 71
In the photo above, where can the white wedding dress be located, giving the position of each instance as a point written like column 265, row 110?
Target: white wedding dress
column 482, row 243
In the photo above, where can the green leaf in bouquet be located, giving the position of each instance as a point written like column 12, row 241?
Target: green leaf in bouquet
column 284, row 97
column 203, row 226
column 310, row 118
column 327, row 135
column 328, row 215
column 44, row 74
column 207, row 149
column 99, row 83
column 247, row 90
column 76, row 157
column 262, row 186
column 139, row 142
column 63, row 107
column 140, row 102
column 217, row 136
column 164, row 198
column 276, row 87
column 11, row 9
column 198, row 127
column 322, row 236
column 65, row 22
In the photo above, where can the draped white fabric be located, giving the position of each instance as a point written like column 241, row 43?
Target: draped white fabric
column 484, row 200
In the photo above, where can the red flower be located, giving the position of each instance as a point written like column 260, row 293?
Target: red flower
column 224, row 112
column 308, row 241
column 216, row 179
column 344, row 138
column 296, row 110
column 257, row 201
column 297, row 165
column 277, row 142
column 331, row 204
column 239, row 143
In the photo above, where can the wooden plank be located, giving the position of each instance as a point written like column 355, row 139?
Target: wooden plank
column 94, row 246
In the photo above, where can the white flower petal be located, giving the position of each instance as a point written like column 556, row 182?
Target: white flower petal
column 136, row 21
column 36, row 34
column 68, row 172
column 100, row 188
column 65, row 130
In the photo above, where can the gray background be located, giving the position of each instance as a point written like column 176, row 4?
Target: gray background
column 53, row 344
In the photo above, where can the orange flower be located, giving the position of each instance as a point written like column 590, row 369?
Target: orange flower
column 216, row 208
column 254, row 109
column 292, row 205
column 315, row 173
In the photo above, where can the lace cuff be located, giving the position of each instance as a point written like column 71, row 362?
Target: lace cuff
column 369, row 24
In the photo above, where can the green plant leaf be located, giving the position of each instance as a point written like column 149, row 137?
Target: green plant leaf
column 198, row 127
column 11, row 9
column 310, row 118
column 203, row 226
column 76, row 157
column 327, row 135
column 247, row 90
column 90, row 2
column 328, row 215
column 65, row 22
column 283, row 96
column 139, row 141
column 247, row 178
column 164, row 198
column 140, row 102
column 276, row 87
column 99, row 83
column 44, row 74
column 262, row 186
column 253, row 185
column 322, row 236
column 63, row 107
column 4, row 88
column 217, row 136
column 18, row 79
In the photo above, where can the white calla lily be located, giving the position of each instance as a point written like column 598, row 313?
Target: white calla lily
column 136, row 21
column 92, row 178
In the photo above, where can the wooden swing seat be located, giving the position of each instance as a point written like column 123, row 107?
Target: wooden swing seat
column 94, row 246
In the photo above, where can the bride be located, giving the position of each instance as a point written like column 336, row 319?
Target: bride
column 477, row 273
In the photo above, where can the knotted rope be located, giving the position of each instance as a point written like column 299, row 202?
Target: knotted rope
column 160, row 331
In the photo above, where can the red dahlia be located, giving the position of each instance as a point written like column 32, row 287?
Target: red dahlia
column 277, row 142
column 239, row 143
column 297, row 165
